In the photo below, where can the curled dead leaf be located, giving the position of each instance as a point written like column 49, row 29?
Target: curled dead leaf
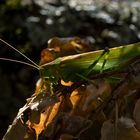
column 46, row 118
column 58, row 47
column 69, row 83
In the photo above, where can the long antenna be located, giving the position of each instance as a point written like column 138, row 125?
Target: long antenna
column 19, row 52
column 17, row 61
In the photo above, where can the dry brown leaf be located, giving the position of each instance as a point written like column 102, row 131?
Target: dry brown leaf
column 45, row 118
column 136, row 114
column 58, row 47
column 93, row 93
column 85, row 98
column 54, row 112
column 69, row 83
column 40, row 127
column 39, row 85
column 77, row 98
column 47, row 56
column 69, row 46
column 125, row 130
column 107, row 130
column 18, row 130
column 72, row 124
column 54, row 43
column 34, row 116
column 66, row 137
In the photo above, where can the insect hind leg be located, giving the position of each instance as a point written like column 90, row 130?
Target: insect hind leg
column 106, row 54
column 90, row 68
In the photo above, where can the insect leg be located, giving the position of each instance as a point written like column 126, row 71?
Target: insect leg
column 90, row 68
column 105, row 60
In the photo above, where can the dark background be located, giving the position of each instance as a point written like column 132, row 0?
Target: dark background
column 29, row 24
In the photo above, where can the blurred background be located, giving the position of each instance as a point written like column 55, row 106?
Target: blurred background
column 29, row 24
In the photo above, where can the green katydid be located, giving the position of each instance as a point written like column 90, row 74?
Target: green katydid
column 73, row 67
column 67, row 68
